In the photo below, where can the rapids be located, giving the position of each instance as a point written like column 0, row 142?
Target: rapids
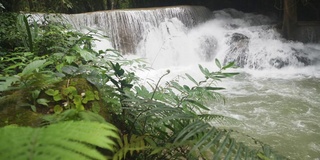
column 276, row 96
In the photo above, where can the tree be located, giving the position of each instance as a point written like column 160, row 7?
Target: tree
column 289, row 19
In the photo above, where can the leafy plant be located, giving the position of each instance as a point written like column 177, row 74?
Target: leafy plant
column 32, row 76
column 174, row 122
column 73, row 115
column 130, row 145
column 70, row 98
column 30, row 33
column 66, row 140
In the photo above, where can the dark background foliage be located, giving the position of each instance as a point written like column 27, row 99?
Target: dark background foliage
column 307, row 9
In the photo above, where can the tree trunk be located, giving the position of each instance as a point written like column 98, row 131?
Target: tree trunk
column 289, row 19
column 30, row 5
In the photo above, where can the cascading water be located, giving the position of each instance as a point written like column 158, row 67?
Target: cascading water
column 276, row 96
column 126, row 27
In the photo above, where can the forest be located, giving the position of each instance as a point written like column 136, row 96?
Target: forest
column 60, row 98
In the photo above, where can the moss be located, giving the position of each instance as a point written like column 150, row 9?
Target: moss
column 13, row 112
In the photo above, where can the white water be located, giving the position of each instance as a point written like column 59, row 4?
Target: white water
column 276, row 97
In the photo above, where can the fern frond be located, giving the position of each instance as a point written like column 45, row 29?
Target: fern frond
column 130, row 144
column 219, row 120
column 66, row 140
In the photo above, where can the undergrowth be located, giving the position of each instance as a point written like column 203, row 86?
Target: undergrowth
column 93, row 108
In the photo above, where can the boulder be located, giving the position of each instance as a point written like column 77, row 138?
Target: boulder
column 238, row 51
column 296, row 58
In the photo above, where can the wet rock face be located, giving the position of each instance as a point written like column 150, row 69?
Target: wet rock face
column 302, row 57
column 298, row 57
column 238, row 51
column 278, row 62
column 208, row 46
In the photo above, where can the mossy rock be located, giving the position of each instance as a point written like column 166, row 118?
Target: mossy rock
column 14, row 111
column 82, row 88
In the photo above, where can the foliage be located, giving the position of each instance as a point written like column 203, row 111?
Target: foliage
column 8, row 32
column 73, row 115
column 1, row 7
column 173, row 122
column 133, row 144
column 65, row 140
column 170, row 121
column 72, row 99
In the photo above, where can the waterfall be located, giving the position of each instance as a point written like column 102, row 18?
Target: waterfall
column 192, row 34
column 251, row 41
column 126, row 27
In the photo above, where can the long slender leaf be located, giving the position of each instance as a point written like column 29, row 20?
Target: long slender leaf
column 30, row 39
column 192, row 79
column 221, row 147
column 208, row 135
column 197, row 104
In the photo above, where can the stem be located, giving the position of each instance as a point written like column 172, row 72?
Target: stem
column 157, row 85
column 30, row 40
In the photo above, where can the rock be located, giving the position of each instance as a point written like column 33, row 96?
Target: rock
column 296, row 58
column 14, row 112
column 302, row 57
column 278, row 63
column 238, row 49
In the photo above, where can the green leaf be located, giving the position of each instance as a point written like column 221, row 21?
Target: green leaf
column 197, row 104
column 59, row 67
column 96, row 95
column 205, row 71
column 57, row 109
column 89, row 96
column 95, row 107
column 33, row 108
column 71, row 70
column 70, row 59
column 211, row 88
column 222, row 147
column 33, row 66
column 70, row 91
column 77, row 100
column 218, row 63
column 187, row 88
column 229, row 74
column 52, row 92
column 87, row 56
column 190, row 78
column 130, row 144
column 6, row 82
column 65, row 140
column 57, row 97
column 229, row 65
column 35, row 94
column 43, row 101
column 117, row 69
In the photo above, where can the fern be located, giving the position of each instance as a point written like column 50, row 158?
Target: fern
column 67, row 140
column 130, row 144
